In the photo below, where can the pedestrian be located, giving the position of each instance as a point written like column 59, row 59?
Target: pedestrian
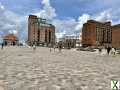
column 108, row 50
column 60, row 46
column 50, row 46
column 34, row 47
column 2, row 46
column 100, row 50
column 113, row 51
column 54, row 47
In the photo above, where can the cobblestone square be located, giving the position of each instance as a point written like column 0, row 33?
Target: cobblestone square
column 22, row 68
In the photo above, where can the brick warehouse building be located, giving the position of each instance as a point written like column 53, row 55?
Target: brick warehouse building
column 40, row 32
column 116, row 36
column 96, row 33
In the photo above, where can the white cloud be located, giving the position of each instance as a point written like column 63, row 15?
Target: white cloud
column 81, row 20
column 13, row 32
column 1, row 6
column 10, row 22
column 60, row 34
column 104, row 16
column 48, row 11
column 66, row 26
column 70, row 26
column 46, row 2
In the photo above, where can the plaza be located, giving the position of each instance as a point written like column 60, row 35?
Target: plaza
column 22, row 68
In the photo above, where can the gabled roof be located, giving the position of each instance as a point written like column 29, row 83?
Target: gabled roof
column 11, row 37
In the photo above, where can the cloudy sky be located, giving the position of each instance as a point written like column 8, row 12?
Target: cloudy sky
column 67, row 15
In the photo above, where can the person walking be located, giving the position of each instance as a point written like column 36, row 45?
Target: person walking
column 100, row 50
column 60, row 46
column 108, row 50
column 34, row 47
column 2, row 45
column 113, row 51
column 50, row 46
column 54, row 47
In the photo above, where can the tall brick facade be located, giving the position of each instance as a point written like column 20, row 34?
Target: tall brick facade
column 39, row 31
column 116, row 36
column 96, row 33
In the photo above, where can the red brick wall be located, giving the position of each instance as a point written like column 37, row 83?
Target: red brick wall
column 93, row 35
column 89, row 34
column 116, row 36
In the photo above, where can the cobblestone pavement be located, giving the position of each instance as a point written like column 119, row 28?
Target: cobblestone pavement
column 22, row 68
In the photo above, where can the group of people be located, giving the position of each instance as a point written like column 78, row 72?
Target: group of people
column 108, row 49
column 58, row 45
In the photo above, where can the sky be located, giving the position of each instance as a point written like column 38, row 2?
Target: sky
column 68, row 16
